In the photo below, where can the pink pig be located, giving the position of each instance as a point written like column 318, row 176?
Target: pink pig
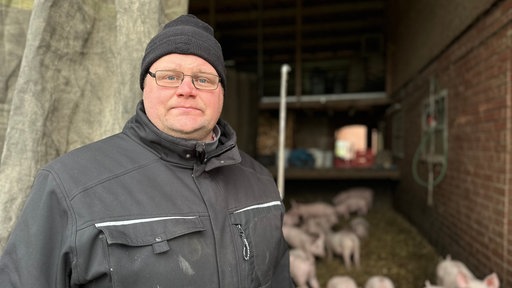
column 346, row 244
column 356, row 192
column 360, row 226
column 379, row 281
column 303, row 269
column 350, row 205
column 454, row 274
column 297, row 238
column 314, row 209
column 291, row 218
column 341, row 282
column 317, row 225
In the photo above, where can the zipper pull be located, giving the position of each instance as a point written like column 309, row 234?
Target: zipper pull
column 201, row 152
column 246, row 249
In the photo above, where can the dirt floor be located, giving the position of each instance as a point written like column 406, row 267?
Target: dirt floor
column 394, row 247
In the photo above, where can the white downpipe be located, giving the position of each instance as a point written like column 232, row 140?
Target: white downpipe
column 285, row 68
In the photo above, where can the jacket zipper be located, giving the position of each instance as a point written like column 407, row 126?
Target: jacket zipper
column 201, row 152
column 246, row 250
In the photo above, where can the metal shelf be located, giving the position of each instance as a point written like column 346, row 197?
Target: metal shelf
column 354, row 173
column 331, row 101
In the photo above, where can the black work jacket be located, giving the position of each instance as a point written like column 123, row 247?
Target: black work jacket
column 144, row 209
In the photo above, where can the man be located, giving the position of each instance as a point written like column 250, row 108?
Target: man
column 168, row 202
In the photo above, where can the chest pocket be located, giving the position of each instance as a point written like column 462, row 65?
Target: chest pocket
column 257, row 230
column 148, row 252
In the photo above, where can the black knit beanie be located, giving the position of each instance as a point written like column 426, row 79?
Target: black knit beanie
column 186, row 34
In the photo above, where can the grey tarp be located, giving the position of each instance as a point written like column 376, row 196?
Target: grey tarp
column 70, row 73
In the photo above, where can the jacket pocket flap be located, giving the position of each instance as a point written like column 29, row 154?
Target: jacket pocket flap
column 141, row 232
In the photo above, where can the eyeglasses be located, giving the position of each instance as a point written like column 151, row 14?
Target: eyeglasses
column 171, row 78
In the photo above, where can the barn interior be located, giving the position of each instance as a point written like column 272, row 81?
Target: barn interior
column 410, row 99
column 349, row 97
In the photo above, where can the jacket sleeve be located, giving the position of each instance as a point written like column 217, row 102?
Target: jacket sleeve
column 36, row 254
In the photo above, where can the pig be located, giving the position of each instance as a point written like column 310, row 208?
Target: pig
column 379, row 281
column 360, row 226
column 317, row 225
column 350, row 205
column 303, row 269
column 428, row 285
column 341, row 282
column 291, row 218
column 314, row 209
column 356, row 192
column 344, row 243
column 454, row 274
column 297, row 238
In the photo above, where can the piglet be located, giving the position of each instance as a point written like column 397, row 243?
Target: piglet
column 364, row 193
column 454, row 274
column 379, row 281
column 351, row 205
column 341, row 282
column 317, row 225
column 291, row 218
column 297, row 238
column 314, row 209
column 344, row 243
column 303, row 269
column 360, row 226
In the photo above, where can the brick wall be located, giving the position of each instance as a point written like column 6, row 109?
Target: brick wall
column 470, row 218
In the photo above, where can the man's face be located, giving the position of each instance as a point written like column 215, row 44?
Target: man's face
column 184, row 111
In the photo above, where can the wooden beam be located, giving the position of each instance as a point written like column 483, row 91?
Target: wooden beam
column 298, row 50
column 278, row 12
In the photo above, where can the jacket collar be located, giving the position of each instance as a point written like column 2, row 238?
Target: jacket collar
column 222, row 151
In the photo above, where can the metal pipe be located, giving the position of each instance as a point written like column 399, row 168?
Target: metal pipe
column 285, row 68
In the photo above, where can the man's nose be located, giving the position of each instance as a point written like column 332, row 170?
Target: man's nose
column 187, row 84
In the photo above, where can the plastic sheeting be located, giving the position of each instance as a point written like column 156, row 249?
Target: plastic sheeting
column 70, row 76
